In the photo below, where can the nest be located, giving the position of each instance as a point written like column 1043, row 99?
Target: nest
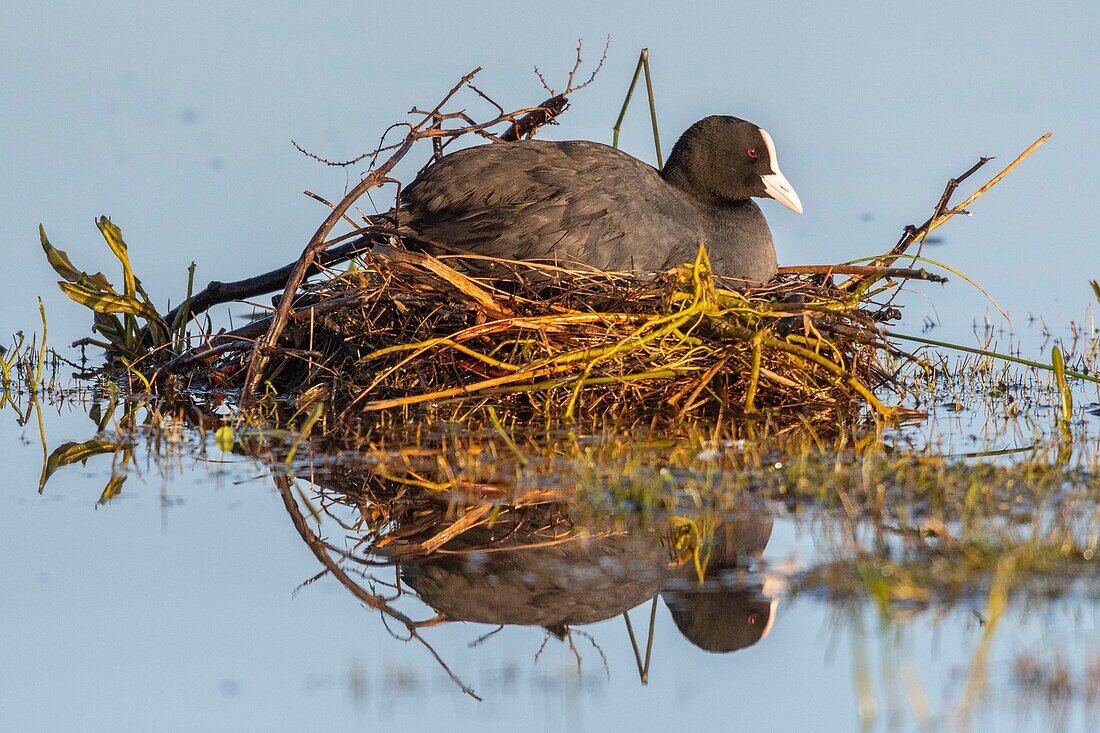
column 404, row 330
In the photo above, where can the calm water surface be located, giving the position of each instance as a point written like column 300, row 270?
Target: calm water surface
column 190, row 601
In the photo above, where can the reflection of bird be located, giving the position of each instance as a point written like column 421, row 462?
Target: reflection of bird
column 584, row 202
column 722, row 614
column 582, row 580
column 592, row 577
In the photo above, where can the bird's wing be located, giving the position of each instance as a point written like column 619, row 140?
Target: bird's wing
column 566, row 202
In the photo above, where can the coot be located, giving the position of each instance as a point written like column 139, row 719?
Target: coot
column 588, row 203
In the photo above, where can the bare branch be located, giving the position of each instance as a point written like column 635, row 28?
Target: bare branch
column 596, row 70
column 317, row 243
column 576, row 65
column 487, row 98
column 542, row 80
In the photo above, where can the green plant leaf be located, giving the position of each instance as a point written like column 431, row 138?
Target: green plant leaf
column 69, row 453
column 64, row 267
column 112, row 328
column 1059, row 363
column 113, row 235
column 59, row 261
column 102, row 302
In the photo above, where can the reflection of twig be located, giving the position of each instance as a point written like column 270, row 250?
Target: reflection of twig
column 320, row 551
column 542, row 646
column 308, row 582
column 599, row 650
column 573, row 648
column 485, row 637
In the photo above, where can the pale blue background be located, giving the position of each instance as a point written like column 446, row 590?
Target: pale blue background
column 176, row 121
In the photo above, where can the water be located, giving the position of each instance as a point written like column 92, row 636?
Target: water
column 191, row 599
column 177, row 605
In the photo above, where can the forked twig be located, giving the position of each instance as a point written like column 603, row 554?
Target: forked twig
column 944, row 212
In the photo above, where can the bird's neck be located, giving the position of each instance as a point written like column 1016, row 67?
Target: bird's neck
column 677, row 176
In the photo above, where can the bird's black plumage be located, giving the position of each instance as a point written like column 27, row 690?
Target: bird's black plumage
column 586, row 203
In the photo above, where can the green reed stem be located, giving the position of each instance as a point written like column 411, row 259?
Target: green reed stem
column 993, row 354
column 643, row 65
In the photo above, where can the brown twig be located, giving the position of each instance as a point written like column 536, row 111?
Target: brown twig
column 329, row 204
column 544, row 114
column 863, row 270
column 912, row 233
column 550, row 109
column 318, row 243
column 943, row 211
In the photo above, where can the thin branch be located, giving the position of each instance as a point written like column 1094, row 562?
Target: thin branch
column 863, row 270
column 487, row 98
column 569, row 89
column 576, row 65
column 944, row 211
column 542, row 80
column 317, row 243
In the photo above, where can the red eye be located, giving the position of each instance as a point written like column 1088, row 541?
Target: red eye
column 752, row 620
column 751, row 152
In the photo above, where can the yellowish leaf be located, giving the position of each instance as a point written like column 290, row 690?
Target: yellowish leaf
column 69, row 453
column 102, row 302
column 225, row 438
column 64, row 267
column 113, row 235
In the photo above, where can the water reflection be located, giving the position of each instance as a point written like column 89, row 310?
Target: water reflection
column 513, row 574
column 544, row 563
column 730, row 609
column 432, row 537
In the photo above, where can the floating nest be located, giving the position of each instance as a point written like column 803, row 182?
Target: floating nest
column 404, row 331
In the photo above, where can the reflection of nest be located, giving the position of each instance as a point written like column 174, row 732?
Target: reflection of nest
column 533, row 561
column 540, row 563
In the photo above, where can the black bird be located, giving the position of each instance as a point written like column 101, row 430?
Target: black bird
column 586, row 203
